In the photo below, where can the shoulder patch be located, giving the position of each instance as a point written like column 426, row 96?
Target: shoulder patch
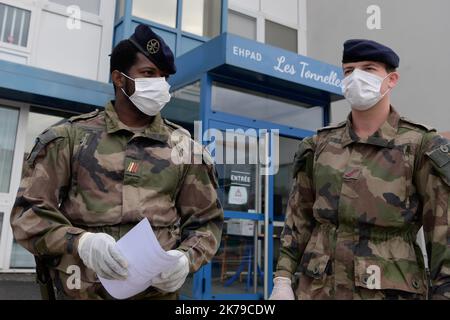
column 416, row 124
column 84, row 116
column 333, row 126
column 41, row 141
column 440, row 156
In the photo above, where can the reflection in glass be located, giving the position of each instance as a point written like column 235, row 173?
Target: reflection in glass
column 163, row 12
column 202, row 17
column 264, row 107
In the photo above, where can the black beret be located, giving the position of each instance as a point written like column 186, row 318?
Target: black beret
column 154, row 48
column 356, row 50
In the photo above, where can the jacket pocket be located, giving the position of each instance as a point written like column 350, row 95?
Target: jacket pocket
column 316, row 278
column 392, row 265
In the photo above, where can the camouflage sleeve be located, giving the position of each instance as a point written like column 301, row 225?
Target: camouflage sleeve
column 433, row 184
column 299, row 216
column 37, row 223
column 201, row 215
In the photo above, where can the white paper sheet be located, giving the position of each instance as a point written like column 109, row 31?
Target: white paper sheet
column 146, row 259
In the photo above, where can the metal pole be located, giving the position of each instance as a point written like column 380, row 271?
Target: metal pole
column 266, row 220
column 256, row 227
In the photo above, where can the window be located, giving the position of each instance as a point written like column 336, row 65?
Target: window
column 163, row 12
column 202, row 17
column 14, row 25
column 184, row 107
column 21, row 258
column 281, row 36
column 37, row 123
column 283, row 179
column 241, row 25
column 9, row 119
column 265, row 107
column 120, row 9
column 91, row 6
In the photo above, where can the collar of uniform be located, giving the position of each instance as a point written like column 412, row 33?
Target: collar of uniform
column 383, row 137
column 154, row 131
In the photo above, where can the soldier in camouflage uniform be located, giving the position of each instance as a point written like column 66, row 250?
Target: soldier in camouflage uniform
column 103, row 172
column 362, row 191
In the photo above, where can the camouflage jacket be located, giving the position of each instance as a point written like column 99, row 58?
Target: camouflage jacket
column 94, row 174
column 355, row 209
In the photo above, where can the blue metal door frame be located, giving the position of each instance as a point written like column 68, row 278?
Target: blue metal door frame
column 223, row 121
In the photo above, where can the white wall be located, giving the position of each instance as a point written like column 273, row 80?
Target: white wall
column 53, row 45
column 417, row 30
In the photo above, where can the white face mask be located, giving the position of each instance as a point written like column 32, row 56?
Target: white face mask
column 150, row 95
column 363, row 89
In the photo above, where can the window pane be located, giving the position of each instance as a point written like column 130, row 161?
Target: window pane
column 283, row 179
column 237, row 171
column 37, row 123
column 92, row 6
column 163, row 12
column 9, row 119
column 14, row 25
column 202, row 17
column 21, row 258
column 120, row 9
column 25, row 27
column 232, row 267
column 241, row 25
column 7, row 36
column 281, row 36
column 184, row 106
column 264, row 107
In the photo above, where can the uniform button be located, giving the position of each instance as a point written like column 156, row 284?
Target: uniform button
column 365, row 279
column 444, row 149
column 416, row 284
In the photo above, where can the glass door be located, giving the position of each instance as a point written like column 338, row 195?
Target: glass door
column 237, row 270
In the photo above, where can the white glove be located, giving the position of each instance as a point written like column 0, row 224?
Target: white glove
column 282, row 289
column 172, row 280
column 99, row 253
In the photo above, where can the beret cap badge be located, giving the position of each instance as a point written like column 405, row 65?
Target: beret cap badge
column 153, row 46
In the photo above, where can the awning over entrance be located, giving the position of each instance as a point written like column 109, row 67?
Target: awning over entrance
column 235, row 57
column 51, row 89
